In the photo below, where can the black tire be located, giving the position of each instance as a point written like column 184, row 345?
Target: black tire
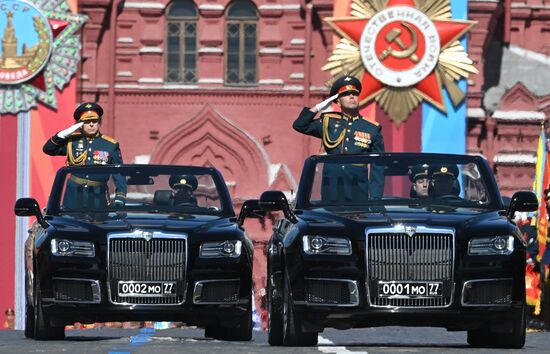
column 516, row 338
column 292, row 332
column 274, row 315
column 242, row 332
column 29, row 313
column 29, row 321
column 512, row 340
column 43, row 329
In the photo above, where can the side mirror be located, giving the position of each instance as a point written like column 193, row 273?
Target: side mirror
column 250, row 209
column 29, row 207
column 276, row 201
column 523, row 201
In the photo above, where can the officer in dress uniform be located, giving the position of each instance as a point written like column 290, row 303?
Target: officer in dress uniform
column 420, row 178
column 83, row 144
column 345, row 132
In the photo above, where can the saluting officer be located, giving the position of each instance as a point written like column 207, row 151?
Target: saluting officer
column 83, row 144
column 345, row 132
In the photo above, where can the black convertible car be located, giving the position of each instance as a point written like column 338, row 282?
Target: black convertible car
column 435, row 248
column 137, row 242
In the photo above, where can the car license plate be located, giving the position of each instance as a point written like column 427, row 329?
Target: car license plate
column 409, row 289
column 146, row 288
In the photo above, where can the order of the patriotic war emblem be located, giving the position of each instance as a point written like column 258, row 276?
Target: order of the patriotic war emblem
column 40, row 51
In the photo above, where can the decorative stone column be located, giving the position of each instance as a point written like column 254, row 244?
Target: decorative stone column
column 211, row 34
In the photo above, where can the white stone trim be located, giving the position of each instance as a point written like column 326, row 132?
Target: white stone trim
column 218, row 7
column 271, row 82
column 279, row 7
column 210, row 50
column 318, row 88
column 270, row 50
column 211, row 80
column 293, row 88
column 475, row 112
column 529, row 54
column 125, row 40
column 150, row 50
column 143, row 5
column 274, row 171
column 124, row 73
column 519, row 115
column 156, row 87
column 100, row 86
column 532, row 7
column 515, row 159
column 84, row 77
column 297, row 41
column 150, row 80
column 142, row 159
column 297, row 76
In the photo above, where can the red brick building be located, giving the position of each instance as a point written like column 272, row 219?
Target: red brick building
column 219, row 82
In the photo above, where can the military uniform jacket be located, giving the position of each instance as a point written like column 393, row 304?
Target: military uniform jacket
column 80, row 150
column 346, row 135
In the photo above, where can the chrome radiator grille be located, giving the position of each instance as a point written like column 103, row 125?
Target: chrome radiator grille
column 405, row 257
column 157, row 259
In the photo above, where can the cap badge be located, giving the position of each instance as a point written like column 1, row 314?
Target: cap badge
column 347, row 78
column 444, row 169
column 88, row 106
column 183, row 181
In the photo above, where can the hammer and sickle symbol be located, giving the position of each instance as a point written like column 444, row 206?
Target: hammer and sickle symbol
column 406, row 52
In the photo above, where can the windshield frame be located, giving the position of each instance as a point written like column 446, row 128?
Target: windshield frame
column 54, row 200
column 309, row 171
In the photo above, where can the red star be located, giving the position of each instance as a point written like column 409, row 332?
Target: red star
column 57, row 27
column 430, row 87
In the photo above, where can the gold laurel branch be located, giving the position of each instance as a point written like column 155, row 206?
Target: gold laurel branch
column 455, row 62
column 398, row 102
column 345, row 60
column 455, row 93
column 435, row 9
column 365, row 8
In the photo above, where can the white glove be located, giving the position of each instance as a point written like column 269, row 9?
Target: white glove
column 326, row 104
column 67, row 132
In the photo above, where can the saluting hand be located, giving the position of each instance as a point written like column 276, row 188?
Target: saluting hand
column 67, row 132
column 323, row 106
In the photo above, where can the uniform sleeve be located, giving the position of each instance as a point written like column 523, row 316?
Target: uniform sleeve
column 55, row 146
column 305, row 124
column 376, row 180
column 119, row 180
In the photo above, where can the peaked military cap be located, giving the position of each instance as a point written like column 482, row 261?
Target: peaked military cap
column 88, row 111
column 345, row 84
column 444, row 170
column 419, row 171
column 183, row 181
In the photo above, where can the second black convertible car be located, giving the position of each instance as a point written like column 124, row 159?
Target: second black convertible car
column 424, row 241
column 173, row 251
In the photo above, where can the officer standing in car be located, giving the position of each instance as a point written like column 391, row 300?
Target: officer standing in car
column 83, row 144
column 345, row 132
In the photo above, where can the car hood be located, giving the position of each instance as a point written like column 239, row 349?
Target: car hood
column 468, row 222
column 190, row 226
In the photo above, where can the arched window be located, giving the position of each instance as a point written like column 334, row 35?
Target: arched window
column 241, row 43
column 181, row 42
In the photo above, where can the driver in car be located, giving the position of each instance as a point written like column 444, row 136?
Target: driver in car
column 444, row 181
column 183, row 186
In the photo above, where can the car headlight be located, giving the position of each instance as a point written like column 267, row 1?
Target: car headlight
column 63, row 247
column 221, row 249
column 314, row 244
column 497, row 245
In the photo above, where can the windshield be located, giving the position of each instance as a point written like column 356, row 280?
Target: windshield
column 141, row 189
column 401, row 182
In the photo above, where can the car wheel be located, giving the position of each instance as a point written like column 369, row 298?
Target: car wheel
column 516, row 338
column 292, row 332
column 43, row 330
column 274, row 315
column 243, row 331
column 29, row 313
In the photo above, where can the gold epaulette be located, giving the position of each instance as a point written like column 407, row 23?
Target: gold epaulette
column 109, row 139
column 373, row 122
column 332, row 115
